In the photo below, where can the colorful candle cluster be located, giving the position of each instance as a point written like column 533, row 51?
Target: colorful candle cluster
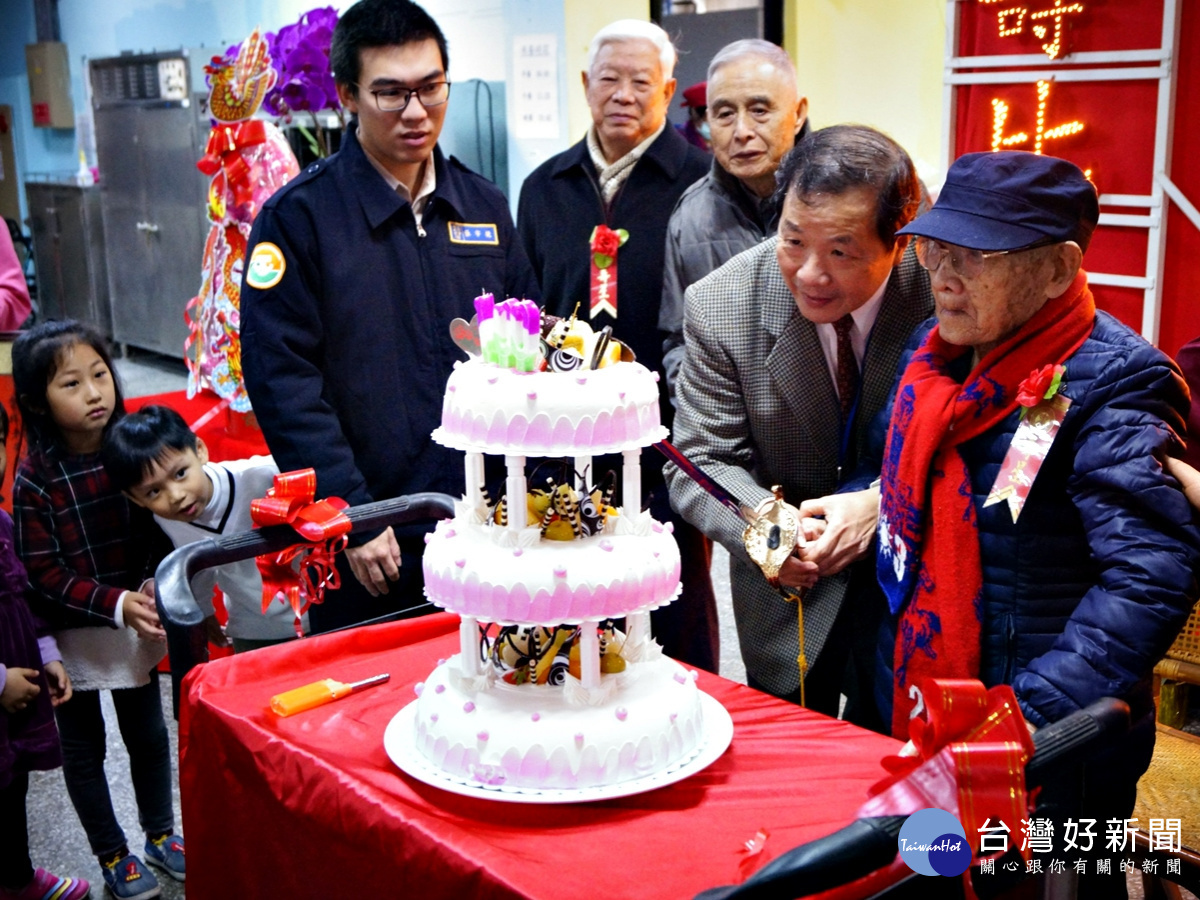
column 509, row 332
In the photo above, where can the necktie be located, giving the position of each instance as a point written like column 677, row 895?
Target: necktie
column 847, row 366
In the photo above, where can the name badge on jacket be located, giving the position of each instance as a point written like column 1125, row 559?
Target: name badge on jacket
column 472, row 233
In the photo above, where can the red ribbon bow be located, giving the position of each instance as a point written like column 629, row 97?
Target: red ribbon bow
column 225, row 145
column 302, row 572
column 972, row 748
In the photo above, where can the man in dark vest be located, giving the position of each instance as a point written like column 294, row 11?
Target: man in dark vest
column 626, row 174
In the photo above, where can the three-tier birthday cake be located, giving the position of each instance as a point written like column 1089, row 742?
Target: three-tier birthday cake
column 547, row 692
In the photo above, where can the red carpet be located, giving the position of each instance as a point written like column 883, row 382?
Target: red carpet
column 229, row 435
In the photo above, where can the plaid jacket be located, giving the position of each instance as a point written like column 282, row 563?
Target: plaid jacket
column 757, row 407
column 82, row 542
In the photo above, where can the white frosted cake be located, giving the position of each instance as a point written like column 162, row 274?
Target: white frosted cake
column 539, row 736
column 502, row 411
column 545, row 692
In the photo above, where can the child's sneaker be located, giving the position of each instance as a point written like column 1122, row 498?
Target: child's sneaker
column 127, row 879
column 48, row 886
column 166, row 853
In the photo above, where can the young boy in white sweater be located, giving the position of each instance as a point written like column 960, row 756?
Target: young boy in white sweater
column 162, row 465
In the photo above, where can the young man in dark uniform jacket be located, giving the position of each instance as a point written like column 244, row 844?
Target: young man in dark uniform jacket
column 356, row 269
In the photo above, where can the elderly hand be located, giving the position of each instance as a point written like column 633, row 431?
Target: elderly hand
column 1188, row 478
column 797, row 573
column 850, row 521
column 376, row 562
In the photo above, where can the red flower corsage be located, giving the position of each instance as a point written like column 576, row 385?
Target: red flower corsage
column 1042, row 384
column 604, row 244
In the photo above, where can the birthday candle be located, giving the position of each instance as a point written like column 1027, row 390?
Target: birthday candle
column 485, row 306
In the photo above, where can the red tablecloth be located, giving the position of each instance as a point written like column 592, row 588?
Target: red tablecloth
column 311, row 806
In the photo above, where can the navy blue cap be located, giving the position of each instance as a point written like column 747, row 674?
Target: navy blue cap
column 1010, row 199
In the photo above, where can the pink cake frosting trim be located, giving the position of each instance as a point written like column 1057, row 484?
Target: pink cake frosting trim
column 605, row 576
column 514, row 605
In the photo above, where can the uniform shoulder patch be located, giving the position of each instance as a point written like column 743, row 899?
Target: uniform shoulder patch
column 266, row 266
column 473, row 233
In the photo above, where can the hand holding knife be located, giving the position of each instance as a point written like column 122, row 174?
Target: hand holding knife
column 772, row 533
column 772, row 529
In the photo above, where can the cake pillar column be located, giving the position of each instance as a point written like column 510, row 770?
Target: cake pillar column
column 468, row 642
column 637, row 624
column 518, row 515
column 589, row 655
column 631, row 482
column 474, row 480
column 639, row 628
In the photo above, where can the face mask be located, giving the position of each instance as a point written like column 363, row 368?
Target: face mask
column 705, row 131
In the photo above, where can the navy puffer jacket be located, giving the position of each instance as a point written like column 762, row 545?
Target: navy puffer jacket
column 1085, row 592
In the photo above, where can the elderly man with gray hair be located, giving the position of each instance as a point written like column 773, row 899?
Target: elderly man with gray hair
column 625, row 175
column 756, row 115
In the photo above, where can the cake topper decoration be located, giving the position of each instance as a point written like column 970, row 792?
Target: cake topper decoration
column 466, row 335
column 522, row 654
column 598, row 348
column 518, row 335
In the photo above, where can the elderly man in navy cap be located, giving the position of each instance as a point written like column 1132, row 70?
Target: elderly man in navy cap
column 1027, row 533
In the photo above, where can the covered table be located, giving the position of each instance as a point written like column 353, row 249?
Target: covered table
column 311, row 805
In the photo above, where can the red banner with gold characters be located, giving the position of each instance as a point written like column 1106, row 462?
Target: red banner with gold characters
column 1104, row 122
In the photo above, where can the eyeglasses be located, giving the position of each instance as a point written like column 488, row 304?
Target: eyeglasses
column 965, row 262
column 395, row 99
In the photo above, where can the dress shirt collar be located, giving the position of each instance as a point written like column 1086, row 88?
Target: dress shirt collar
column 428, row 181
column 864, row 320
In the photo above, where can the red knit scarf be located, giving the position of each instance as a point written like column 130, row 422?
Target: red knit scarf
column 929, row 542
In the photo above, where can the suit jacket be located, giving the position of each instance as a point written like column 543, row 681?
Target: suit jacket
column 757, row 407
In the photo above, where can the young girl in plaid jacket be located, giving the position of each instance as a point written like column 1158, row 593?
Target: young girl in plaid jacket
column 90, row 556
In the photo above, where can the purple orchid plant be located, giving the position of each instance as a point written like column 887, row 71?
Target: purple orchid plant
column 300, row 56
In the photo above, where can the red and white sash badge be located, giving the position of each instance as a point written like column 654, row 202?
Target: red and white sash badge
column 1044, row 409
column 604, row 244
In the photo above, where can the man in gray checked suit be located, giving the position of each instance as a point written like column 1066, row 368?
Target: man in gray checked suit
column 792, row 348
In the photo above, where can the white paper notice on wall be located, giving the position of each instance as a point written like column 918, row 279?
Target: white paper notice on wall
column 535, row 87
